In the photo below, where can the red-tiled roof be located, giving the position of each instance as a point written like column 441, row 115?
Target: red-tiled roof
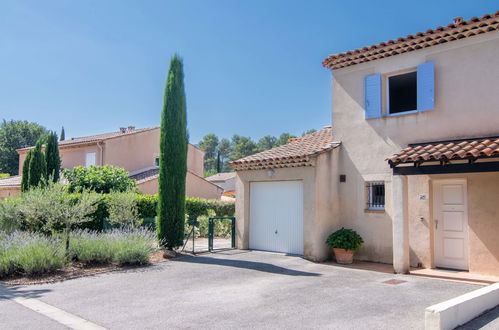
column 296, row 153
column 443, row 151
column 99, row 137
column 458, row 30
column 11, row 182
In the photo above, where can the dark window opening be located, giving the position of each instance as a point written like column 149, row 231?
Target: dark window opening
column 402, row 92
column 376, row 195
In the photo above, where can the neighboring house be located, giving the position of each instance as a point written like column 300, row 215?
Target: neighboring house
column 135, row 150
column 225, row 180
column 417, row 170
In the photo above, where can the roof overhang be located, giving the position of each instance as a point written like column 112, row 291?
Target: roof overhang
column 446, row 157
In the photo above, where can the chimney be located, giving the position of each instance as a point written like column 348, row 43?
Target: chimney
column 122, row 130
column 458, row 20
column 131, row 128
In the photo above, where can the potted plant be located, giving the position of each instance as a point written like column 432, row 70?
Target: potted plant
column 344, row 243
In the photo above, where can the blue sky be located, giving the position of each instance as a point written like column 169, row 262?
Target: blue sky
column 251, row 67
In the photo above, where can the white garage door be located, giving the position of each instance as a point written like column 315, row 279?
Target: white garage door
column 276, row 216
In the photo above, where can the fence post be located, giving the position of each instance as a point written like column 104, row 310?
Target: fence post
column 233, row 233
column 210, row 234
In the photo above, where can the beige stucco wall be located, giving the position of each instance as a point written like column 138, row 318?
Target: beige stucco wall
column 483, row 220
column 466, row 100
column 9, row 192
column 195, row 186
column 132, row 152
column 320, row 202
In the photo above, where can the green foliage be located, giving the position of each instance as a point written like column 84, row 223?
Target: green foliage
column 242, row 146
column 16, row 135
column 173, row 159
column 25, row 173
column 209, row 145
column 123, row 246
column 267, row 142
column 347, row 239
column 37, row 172
column 52, row 157
column 147, row 206
column 52, row 208
column 10, row 215
column 310, row 131
column 284, row 139
column 4, row 175
column 63, row 134
column 122, row 208
column 101, row 179
column 29, row 253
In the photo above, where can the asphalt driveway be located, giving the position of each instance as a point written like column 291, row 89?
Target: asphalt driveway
column 233, row 290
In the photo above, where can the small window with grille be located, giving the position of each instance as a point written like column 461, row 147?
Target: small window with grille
column 375, row 195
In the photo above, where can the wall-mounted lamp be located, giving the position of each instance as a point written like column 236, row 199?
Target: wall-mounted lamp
column 270, row 172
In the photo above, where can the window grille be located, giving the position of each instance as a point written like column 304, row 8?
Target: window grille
column 375, row 195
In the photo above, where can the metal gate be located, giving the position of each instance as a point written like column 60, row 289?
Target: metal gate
column 211, row 232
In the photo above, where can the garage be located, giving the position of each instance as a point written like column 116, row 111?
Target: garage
column 276, row 216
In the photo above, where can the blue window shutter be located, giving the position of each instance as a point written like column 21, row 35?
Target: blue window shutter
column 426, row 86
column 372, row 94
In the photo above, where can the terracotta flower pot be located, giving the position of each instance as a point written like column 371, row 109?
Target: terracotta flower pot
column 343, row 256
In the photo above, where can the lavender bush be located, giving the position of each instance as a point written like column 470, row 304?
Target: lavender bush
column 28, row 253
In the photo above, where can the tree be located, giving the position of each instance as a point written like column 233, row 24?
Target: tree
column 173, row 159
column 122, row 208
column 100, row 179
column 284, row 138
column 224, row 150
column 267, row 142
column 52, row 208
column 242, row 147
column 37, row 172
column 25, row 174
column 63, row 134
column 16, row 135
column 310, row 131
column 52, row 157
column 209, row 145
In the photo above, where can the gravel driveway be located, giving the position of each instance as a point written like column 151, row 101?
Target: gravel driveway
column 236, row 289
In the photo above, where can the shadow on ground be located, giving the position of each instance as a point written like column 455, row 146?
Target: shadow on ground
column 483, row 320
column 253, row 265
column 17, row 291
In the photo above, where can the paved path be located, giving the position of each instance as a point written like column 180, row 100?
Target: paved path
column 237, row 289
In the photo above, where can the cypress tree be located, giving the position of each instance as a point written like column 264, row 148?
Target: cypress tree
column 63, row 134
column 37, row 166
column 52, row 157
column 25, row 174
column 173, row 159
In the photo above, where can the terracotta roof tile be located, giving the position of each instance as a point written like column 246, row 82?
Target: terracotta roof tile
column 99, row 137
column 431, row 37
column 293, row 154
column 438, row 151
column 13, row 181
column 145, row 175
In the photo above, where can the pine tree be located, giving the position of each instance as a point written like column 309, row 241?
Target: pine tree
column 25, row 174
column 37, row 166
column 63, row 134
column 52, row 157
column 173, row 159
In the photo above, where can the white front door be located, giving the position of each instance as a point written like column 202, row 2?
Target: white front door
column 276, row 216
column 450, row 216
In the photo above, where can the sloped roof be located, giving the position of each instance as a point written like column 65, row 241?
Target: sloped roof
column 11, row 182
column 297, row 152
column 149, row 174
column 99, row 137
column 221, row 176
column 459, row 29
column 447, row 150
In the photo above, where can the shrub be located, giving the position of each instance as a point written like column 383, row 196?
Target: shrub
column 347, row 239
column 101, row 179
column 124, row 246
column 29, row 254
column 122, row 208
column 10, row 215
column 147, row 206
column 4, row 175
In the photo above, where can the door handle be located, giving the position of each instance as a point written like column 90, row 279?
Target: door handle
column 436, row 224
